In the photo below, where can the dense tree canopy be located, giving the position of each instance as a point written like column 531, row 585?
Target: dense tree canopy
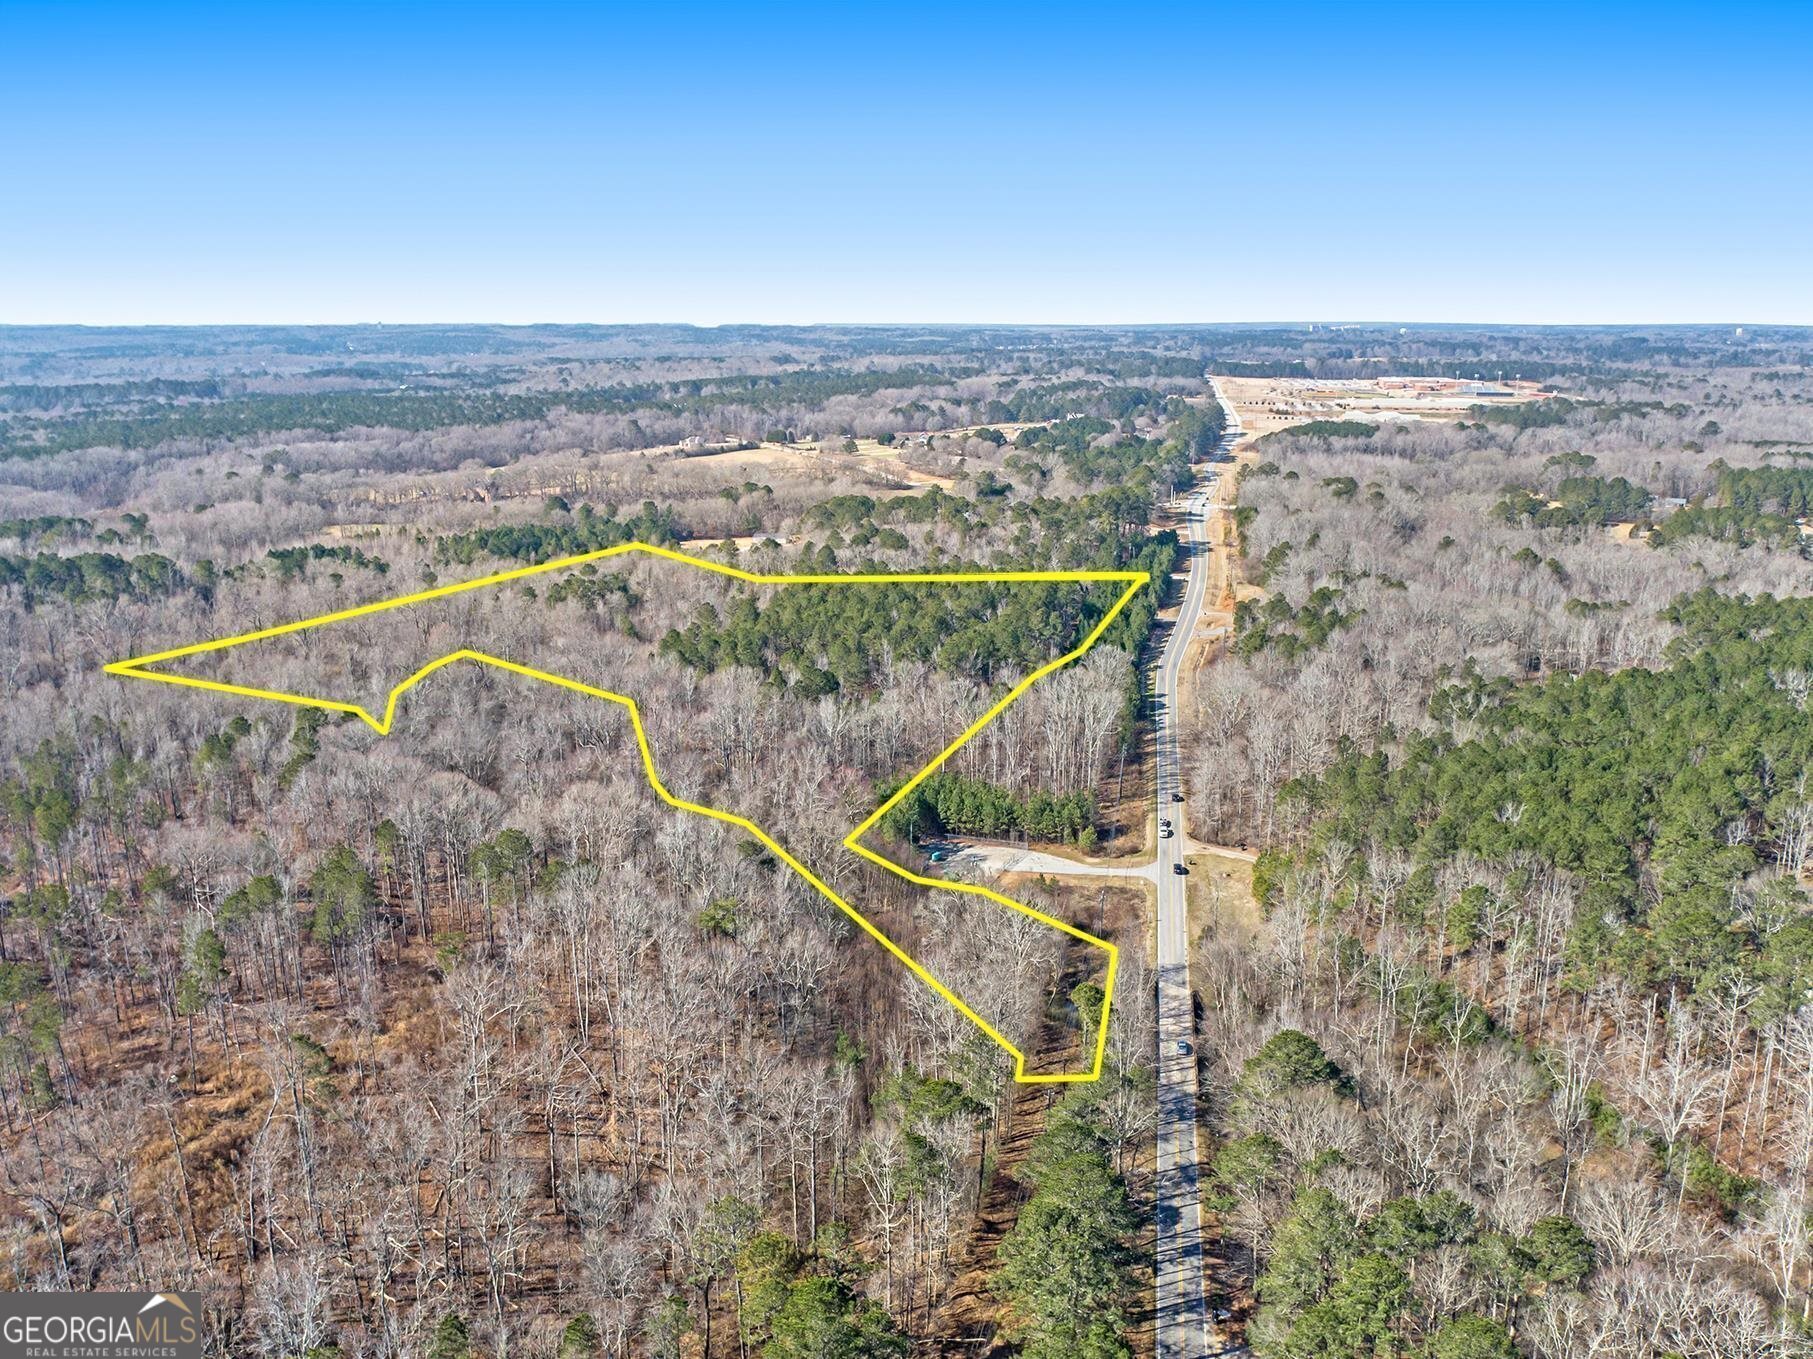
column 1763, row 505
column 1063, row 1268
column 1626, row 780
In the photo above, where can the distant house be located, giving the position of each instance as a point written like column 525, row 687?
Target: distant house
column 695, row 444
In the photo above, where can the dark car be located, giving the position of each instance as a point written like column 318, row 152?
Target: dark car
column 1179, row 869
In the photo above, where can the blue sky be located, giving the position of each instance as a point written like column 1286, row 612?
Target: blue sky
column 538, row 162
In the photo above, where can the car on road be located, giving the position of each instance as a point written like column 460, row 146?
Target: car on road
column 1183, row 1048
column 1179, row 869
column 1176, row 796
column 1164, row 823
column 1164, row 832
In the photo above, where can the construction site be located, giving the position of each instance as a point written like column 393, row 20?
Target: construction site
column 1267, row 405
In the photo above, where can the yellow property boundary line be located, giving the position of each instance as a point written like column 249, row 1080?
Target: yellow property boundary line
column 135, row 669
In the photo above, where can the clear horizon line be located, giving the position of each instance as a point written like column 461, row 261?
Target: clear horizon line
column 1275, row 322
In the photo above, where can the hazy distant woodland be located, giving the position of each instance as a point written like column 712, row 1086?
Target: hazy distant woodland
column 458, row 1040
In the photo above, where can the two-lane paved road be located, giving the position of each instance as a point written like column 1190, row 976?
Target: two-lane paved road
column 1185, row 1329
